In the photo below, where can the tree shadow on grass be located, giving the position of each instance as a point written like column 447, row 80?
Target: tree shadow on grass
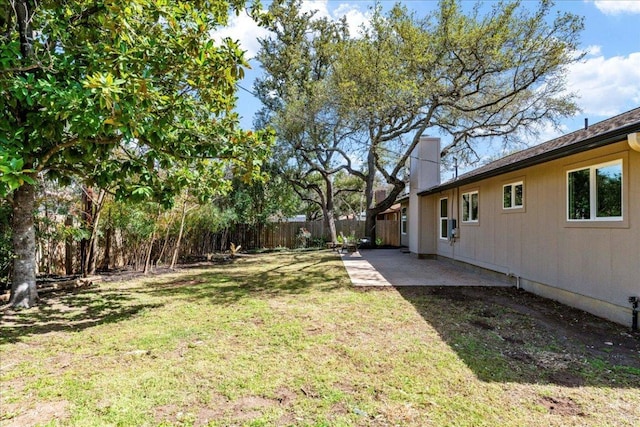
column 225, row 286
column 218, row 284
column 508, row 335
column 70, row 311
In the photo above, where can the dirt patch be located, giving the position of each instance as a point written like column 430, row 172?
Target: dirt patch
column 482, row 325
column 45, row 412
column 206, row 416
column 338, row 410
column 285, row 396
column 566, row 379
column 561, row 406
column 240, row 410
column 563, row 324
column 533, row 339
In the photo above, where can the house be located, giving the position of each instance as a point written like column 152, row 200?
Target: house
column 561, row 219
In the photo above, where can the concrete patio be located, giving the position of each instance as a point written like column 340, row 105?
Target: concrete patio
column 392, row 267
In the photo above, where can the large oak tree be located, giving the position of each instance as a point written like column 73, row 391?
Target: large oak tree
column 298, row 58
column 493, row 72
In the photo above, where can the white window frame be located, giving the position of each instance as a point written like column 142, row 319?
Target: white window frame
column 470, row 219
column 403, row 220
column 513, row 186
column 593, row 193
column 445, row 218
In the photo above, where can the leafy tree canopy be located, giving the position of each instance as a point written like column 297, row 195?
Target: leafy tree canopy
column 118, row 90
column 361, row 102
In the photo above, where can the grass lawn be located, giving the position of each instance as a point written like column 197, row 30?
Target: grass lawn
column 284, row 339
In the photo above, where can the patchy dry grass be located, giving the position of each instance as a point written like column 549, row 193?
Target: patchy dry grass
column 277, row 340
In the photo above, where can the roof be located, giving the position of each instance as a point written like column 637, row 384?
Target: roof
column 394, row 208
column 597, row 135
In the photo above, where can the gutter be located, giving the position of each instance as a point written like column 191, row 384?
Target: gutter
column 575, row 148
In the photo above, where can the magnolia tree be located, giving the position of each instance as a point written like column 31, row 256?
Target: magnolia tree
column 133, row 96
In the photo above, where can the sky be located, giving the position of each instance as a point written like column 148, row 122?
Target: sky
column 607, row 80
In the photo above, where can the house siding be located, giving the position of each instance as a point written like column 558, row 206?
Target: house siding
column 594, row 266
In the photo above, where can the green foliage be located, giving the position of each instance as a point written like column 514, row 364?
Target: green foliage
column 257, row 202
column 12, row 173
column 124, row 94
column 486, row 73
column 493, row 72
column 298, row 58
column 133, row 96
column 136, row 221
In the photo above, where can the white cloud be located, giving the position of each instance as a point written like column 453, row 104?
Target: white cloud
column 593, row 50
column 244, row 29
column 617, row 7
column 355, row 17
column 606, row 86
column 320, row 7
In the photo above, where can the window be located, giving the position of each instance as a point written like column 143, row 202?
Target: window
column 470, row 207
column 513, row 195
column 595, row 193
column 444, row 217
column 403, row 221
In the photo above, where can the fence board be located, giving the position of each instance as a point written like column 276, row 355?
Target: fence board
column 388, row 231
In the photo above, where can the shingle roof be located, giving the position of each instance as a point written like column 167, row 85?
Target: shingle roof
column 597, row 135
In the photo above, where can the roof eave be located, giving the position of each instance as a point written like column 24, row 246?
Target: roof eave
column 586, row 144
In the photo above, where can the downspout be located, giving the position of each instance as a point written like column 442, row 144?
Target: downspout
column 517, row 279
column 634, row 314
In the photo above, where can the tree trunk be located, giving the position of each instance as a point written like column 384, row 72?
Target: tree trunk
column 147, row 261
column 23, row 284
column 87, row 209
column 327, row 208
column 375, row 208
column 68, row 248
column 93, row 242
column 370, row 225
column 166, row 241
column 176, row 250
column 370, row 219
column 106, row 260
column 108, row 233
column 332, row 226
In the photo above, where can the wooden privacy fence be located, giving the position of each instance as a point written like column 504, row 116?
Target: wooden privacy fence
column 271, row 235
column 388, row 231
column 287, row 234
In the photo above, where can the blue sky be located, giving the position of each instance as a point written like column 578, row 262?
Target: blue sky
column 607, row 80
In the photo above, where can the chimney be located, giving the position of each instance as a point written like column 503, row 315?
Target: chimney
column 425, row 173
column 425, row 164
column 379, row 195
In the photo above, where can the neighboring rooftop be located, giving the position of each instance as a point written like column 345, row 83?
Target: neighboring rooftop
column 596, row 135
